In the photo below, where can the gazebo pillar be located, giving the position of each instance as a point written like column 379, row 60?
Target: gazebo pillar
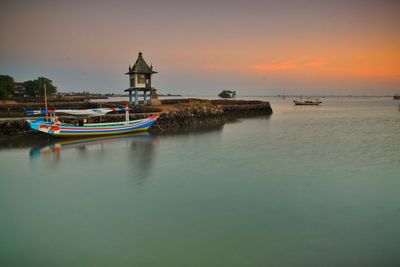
column 144, row 97
column 130, row 98
column 149, row 100
column 136, row 98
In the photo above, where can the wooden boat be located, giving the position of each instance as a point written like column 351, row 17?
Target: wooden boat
column 307, row 103
column 59, row 129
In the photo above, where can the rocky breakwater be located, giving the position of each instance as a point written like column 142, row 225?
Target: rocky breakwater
column 241, row 109
column 195, row 113
column 185, row 114
column 190, row 118
column 12, row 127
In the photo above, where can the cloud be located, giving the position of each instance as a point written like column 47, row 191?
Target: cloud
column 276, row 66
column 318, row 62
column 290, row 65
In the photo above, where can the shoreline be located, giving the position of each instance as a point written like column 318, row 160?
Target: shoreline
column 175, row 114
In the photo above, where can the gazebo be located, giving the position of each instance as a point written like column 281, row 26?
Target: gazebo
column 140, row 81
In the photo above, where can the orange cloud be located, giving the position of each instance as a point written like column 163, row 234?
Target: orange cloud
column 290, row 65
column 276, row 66
column 318, row 62
column 210, row 66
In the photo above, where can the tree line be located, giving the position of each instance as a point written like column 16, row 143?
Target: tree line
column 31, row 88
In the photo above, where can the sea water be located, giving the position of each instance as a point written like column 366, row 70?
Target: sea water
column 307, row 186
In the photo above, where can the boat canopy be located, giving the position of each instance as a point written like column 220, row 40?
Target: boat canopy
column 75, row 112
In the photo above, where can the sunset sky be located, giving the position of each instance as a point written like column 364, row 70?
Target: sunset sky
column 201, row 47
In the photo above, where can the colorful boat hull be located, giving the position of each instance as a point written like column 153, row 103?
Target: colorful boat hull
column 65, row 130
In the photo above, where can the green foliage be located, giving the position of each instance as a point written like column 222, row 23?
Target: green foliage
column 35, row 88
column 6, row 86
column 50, row 88
column 227, row 94
column 83, row 93
column 195, row 104
column 31, row 88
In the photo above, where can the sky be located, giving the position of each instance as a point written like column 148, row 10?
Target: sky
column 202, row 47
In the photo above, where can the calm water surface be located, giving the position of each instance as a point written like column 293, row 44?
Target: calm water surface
column 309, row 186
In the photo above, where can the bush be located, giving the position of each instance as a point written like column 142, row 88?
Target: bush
column 6, row 86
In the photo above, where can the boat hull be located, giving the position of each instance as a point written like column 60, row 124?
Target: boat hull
column 307, row 103
column 65, row 130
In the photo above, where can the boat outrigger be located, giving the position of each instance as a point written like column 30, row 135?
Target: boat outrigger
column 56, row 128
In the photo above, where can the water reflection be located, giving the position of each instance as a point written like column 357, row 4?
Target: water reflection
column 138, row 150
column 58, row 146
column 140, row 159
column 196, row 130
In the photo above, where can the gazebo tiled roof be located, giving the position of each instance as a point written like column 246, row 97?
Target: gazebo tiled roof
column 141, row 66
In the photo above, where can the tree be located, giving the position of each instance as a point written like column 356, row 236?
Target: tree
column 35, row 88
column 31, row 88
column 50, row 88
column 6, row 86
column 227, row 94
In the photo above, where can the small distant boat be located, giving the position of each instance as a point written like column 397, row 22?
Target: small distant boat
column 396, row 97
column 56, row 128
column 307, row 102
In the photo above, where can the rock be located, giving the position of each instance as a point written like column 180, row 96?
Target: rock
column 196, row 116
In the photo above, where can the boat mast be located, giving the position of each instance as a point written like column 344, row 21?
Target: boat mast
column 127, row 113
column 45, row 101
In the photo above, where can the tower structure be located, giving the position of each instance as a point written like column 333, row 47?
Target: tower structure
column 140, row 75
